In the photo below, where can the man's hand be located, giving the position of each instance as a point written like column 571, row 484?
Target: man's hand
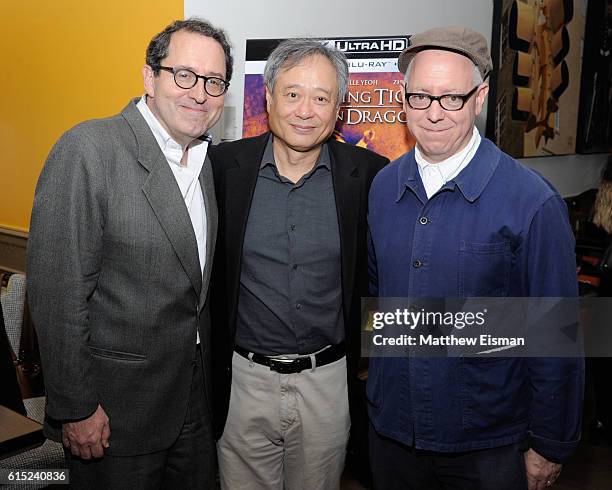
column 87, row 438
column 541, row 473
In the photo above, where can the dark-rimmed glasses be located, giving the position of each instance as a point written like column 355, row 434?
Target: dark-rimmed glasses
column 186, row 79
column 448, row 102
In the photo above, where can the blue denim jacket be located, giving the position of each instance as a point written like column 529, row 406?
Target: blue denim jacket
column 497, row 229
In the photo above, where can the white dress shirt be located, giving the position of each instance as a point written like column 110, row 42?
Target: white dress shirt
column 187, row 176
column 435, row 175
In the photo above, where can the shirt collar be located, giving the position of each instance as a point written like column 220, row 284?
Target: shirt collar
column 454, row 164
column 324, row 159
column 170, row 148
column 471, row 182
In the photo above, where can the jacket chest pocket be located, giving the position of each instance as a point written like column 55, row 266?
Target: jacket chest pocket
column 484, row 269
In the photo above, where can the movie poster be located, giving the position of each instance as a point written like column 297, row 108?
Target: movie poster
column 371, row 115
column 535, row 90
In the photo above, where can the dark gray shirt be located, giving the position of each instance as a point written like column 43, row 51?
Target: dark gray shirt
column 290, row 298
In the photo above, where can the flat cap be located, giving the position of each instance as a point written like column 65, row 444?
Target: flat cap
column 458, row 39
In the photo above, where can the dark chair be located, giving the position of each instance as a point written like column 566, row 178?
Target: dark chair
column 51, row 454
column 10, row 396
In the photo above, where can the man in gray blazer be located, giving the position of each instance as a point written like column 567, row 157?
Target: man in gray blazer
column 119, row 257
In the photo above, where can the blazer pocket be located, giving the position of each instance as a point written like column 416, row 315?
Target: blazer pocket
column 117, row 355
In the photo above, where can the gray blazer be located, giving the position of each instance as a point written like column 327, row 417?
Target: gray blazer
column 114, row 283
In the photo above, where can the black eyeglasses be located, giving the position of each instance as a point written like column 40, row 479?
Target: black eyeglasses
column 186, row 79
column 448, row 102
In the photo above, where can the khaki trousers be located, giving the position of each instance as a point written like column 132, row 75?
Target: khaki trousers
column 285, row 431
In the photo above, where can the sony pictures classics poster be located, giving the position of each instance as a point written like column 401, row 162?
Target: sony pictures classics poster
column 371, row 115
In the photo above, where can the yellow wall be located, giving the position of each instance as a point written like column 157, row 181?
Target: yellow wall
column 64, row 61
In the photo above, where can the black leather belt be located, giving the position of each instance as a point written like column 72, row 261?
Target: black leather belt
column 290, row 366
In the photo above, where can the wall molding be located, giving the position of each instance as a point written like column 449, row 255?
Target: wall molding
column 13, row 250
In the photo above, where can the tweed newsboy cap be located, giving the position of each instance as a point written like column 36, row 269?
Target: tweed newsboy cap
column 458, row 39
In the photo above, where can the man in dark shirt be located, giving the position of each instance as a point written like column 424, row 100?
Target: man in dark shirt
column 290, row 270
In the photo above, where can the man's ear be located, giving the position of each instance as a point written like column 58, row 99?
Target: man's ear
column 403, row 95
column 269, row 101
column 148, row 78
column 481, row 95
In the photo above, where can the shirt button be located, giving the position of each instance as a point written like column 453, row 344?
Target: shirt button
column 416, row 264
column 298, row 306
column 423, row 220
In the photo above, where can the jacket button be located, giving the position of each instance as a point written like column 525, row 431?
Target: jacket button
column 416, row 264
column 423, row 220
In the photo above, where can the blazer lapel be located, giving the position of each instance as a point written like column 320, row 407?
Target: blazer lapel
column 210, row 202
column 240, row 180
column 164, row 196
column 345, row 176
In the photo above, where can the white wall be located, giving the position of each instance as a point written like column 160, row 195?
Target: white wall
column 570, row 174
column 264, row 19
column 272, row 19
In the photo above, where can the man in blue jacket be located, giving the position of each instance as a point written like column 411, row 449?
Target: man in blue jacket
column 457, row 218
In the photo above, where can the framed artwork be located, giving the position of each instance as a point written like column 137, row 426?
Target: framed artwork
column 535, row 88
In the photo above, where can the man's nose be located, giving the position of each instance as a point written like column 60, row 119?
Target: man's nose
column 304, row 108
column 435, row 111
column 197, row 92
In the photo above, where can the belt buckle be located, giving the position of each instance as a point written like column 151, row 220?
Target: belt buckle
column 282, row 366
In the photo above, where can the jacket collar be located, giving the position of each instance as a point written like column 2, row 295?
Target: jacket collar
column 240, row 185
column 471, row 181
